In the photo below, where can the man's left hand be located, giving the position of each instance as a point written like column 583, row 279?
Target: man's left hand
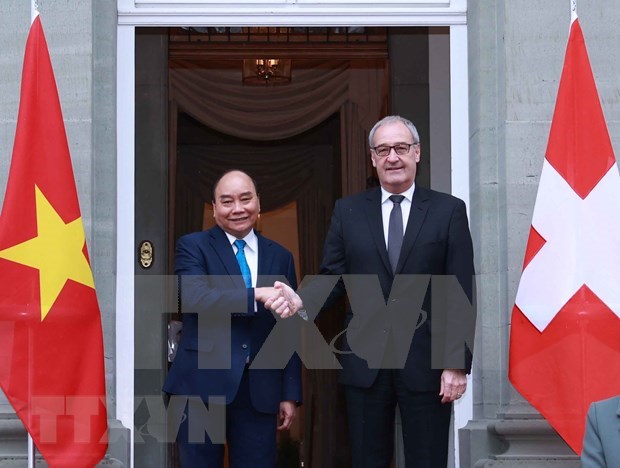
column 288, row 410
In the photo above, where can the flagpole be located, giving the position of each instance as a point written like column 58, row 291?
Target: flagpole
column 34, row 12
column 30, row 451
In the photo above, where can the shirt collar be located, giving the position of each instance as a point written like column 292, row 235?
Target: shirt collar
column 408, row 194
column 250, row 239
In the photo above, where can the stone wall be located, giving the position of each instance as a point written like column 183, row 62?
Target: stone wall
column 81, row 37
column 516, row 53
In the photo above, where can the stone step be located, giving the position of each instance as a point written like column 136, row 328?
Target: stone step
column 14, row 444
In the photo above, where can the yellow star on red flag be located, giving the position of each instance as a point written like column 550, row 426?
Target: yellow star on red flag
column 56, row 251
column 51, row 347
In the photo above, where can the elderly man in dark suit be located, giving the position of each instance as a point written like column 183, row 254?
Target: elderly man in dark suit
column 225, row 276
column 601, row 444
column 392, row 233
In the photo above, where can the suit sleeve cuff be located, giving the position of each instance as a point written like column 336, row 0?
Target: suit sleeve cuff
column 251, row 305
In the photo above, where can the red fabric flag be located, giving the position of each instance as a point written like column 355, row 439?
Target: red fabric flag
column 565, row 331
column 51, row 344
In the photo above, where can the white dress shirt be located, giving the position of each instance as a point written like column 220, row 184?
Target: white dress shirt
column 251, row 252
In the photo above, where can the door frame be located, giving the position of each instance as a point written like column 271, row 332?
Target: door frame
column 162, row 13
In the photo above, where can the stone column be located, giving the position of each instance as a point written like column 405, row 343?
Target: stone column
column 82, row 45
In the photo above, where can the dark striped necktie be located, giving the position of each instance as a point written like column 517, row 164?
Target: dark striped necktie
column 395, row 231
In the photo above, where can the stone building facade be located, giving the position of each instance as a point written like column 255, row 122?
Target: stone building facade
column 511, row 53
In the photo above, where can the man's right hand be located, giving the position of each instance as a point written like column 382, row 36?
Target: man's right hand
column 272, row 298
column 292, row 298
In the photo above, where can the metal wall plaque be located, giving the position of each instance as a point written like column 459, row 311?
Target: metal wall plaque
column 146, row 253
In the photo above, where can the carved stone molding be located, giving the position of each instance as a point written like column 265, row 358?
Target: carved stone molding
column 291, row 12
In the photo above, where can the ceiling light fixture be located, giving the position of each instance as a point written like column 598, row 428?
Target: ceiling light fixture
column 266, row 71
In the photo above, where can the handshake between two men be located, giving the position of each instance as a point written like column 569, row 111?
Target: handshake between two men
column 395, row 236
column 281, row 299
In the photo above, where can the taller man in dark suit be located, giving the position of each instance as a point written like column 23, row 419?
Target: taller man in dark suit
column 224, row 283
column 387, row 231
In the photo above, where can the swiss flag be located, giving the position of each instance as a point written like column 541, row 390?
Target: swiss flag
column 51, row 343
column 565, row 332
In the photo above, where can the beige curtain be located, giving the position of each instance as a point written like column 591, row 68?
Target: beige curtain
column 217, row 99
column 356, row 89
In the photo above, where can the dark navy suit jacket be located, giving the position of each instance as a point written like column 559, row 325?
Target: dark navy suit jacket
column 221, row 328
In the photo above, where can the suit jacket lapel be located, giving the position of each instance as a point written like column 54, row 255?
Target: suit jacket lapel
column 419, row 208
column 224, row 251
column 375, row 221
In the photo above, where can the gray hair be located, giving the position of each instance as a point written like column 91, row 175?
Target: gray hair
column 391, row 119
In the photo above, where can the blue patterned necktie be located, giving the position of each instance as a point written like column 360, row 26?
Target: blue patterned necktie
column 243, row 263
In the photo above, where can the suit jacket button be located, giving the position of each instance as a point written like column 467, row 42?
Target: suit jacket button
column 244, row 346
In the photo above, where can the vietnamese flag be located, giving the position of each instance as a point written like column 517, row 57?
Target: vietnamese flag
column 51, row 344
column 565, row 331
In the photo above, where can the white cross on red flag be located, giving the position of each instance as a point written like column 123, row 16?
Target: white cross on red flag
column 565, row 330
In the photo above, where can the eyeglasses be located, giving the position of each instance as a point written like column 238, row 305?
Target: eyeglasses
column 401, row 149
